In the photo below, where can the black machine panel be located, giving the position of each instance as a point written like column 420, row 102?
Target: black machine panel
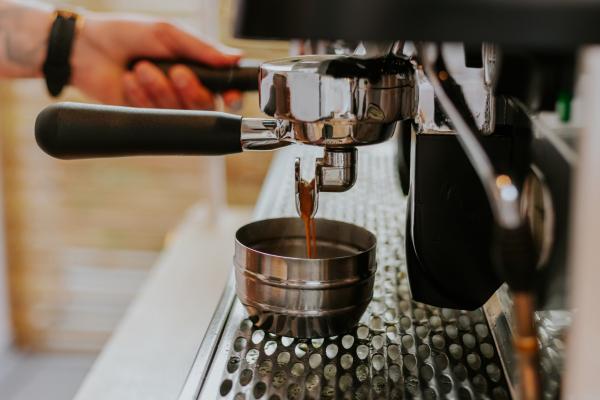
column 544, row 24
column 449, row 230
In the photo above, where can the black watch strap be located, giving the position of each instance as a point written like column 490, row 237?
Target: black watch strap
column 57, row 67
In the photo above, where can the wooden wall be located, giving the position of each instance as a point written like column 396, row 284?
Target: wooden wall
column 82, row 235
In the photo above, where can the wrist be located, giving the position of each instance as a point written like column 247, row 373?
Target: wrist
column 40, row 21
column 83, row 46
column 25, row 34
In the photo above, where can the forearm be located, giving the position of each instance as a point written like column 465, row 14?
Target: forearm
column 24, row 29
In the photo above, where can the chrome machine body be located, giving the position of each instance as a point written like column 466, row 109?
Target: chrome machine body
column 337, row 102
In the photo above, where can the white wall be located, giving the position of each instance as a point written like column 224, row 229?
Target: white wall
column 583, row 347
column 5, row 321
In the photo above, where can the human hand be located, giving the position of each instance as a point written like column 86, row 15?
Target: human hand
column 107, row 43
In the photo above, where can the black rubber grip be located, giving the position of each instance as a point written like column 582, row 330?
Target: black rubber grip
column 243, row 77
column 76, row 130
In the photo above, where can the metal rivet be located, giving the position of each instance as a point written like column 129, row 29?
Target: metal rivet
column 314, row 360
column 252, row 356
column 331, row 350
column 378, row 362
column 245, row 377
column 297, row 369
column 347, row 341
column 300, row 349
column 346, row 361
column 270, row 347
column 258, row 336
column 283, row 358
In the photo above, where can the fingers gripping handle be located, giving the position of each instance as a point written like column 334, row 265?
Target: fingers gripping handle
column 242, row 77
column 76, row 130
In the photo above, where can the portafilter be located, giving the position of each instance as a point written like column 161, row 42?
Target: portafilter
column 337, row 102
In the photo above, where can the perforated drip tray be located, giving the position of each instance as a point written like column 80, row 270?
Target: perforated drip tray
column 401, row 349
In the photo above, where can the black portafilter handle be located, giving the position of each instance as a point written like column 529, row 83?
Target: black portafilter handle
column 77, row 130
column 242, row 77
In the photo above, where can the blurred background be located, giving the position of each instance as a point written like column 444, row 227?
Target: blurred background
column 81, row 237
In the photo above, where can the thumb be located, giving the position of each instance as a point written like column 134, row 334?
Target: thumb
column 186, row 45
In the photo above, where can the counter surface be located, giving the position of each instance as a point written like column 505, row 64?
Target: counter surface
column 150, row 354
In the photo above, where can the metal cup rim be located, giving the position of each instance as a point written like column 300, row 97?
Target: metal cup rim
column 314, row 261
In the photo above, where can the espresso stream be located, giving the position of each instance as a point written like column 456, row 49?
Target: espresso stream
column 306, row 193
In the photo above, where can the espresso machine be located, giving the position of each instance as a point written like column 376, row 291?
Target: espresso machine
column 470, row 196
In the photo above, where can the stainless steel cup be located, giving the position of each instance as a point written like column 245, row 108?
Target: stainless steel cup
column 288, row 294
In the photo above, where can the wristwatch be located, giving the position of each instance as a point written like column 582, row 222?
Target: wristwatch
column 57, row 67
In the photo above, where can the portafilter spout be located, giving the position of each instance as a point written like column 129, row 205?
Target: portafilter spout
column 334, row 172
